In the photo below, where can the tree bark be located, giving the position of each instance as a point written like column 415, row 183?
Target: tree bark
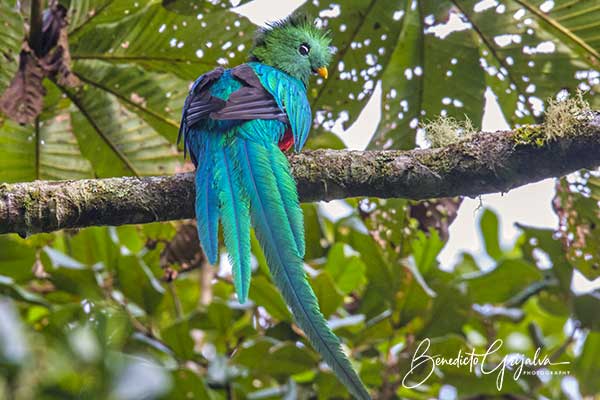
column 485, row 163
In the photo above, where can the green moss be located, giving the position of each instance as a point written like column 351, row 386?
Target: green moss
column 530, row 135
column 563, row 116
column 561, row 120
column 437, row 161
column 444, row 131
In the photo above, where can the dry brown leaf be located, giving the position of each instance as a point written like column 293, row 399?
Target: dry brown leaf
column 23, row 100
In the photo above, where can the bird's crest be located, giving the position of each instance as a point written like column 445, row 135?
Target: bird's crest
column 295, row 20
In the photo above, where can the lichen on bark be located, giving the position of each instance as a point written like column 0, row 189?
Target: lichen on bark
column 484, row 163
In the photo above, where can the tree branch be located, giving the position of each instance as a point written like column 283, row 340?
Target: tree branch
column 486, row 163
column 35, row 26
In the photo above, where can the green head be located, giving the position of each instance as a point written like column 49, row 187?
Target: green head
column 294, row 45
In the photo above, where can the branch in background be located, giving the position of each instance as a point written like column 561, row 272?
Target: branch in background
column 35, row 26
column 485, row 163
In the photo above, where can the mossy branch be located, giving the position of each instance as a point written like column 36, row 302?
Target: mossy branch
column 481, row 163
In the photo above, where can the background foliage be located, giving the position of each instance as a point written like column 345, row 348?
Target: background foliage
column 133, row 312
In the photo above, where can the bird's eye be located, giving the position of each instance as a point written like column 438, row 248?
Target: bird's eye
column 304, row 49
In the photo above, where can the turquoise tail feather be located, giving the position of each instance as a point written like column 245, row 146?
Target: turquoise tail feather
column 207, row 208
column 289, row 197
column 235, row 219
column 218, row 196
column 272, row 226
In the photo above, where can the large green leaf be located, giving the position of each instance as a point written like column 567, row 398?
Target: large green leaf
column 523, row 59
column 153, row 37
column 192, row 7
column 574, row 22
column 438, row 58
column 47, row 150
column 115, row 140
column 10, row 42
column 82, row 12
column 157, row 98
column 421, row 69
column 363, row 32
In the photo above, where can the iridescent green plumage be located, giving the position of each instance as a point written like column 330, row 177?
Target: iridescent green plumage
column 235, row 122
column 278, row 44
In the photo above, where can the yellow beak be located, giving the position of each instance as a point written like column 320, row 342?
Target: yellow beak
column 323, row 73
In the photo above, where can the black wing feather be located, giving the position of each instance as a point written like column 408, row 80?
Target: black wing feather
column 249, row 102
column 198, row 105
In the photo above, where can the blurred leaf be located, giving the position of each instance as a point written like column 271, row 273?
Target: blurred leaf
column 413, row 300
column 16, row 257
column 381, row 284
column 128, row 236
column 325, row 140
column 577, row 207
column 451, row 309
column 23, row 100
column 289, row 359
column 348, row 272
column 84, row 344
column 436, row 214
column 264, row 294
column 328, row 387
column 545, row 240
column 188, row 385
column 425, row 250
column 314, row 235
column 586, row 310
column 389, row 220
column 488, row 225
column 138, row 284
column 282, row 359
column 587, row 366
column 139, row 378
column 507, row 279
column 178, row 338
column 71, row 276
column 93, row 245
column 13, row 346
column 327, row 293
column 9, row 288
column 80, row 12
column 221, row 316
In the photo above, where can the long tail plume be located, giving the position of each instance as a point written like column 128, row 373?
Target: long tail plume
column 275, row 219
column 218, row 196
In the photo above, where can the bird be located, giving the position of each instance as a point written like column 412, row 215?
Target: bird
column 236, row 124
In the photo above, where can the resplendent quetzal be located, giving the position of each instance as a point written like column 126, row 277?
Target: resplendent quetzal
column 236, row 123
